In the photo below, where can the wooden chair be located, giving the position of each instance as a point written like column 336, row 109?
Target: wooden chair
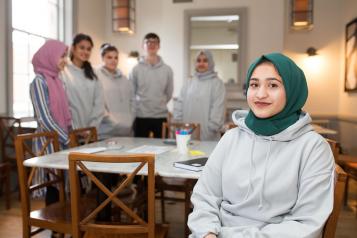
column 349, row 164
column 5, row 183
column 82, row 136
column 140, row 227
column 331, row 223
column 55, row 217
column 169, row 129
column 177, row 185
column 9, row 128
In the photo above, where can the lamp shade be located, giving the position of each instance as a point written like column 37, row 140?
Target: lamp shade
column 123, row 16
column 301, row 14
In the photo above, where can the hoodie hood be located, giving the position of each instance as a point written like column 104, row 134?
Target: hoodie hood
column 118, row 74
column 300, row 127
column 159, row 63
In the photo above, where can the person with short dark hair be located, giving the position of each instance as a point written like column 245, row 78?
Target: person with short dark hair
column 118, row 95
column 273, row 175
column 84, row 90
column 152, row 80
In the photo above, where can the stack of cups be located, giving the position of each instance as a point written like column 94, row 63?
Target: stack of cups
column 182, row 140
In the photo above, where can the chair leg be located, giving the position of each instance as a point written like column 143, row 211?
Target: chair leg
column 7, row 189
column 26, row 231
column 162, row 200
column 187, row 211
column 346, row 190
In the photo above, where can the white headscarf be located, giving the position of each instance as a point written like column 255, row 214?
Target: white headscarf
column 210, row 73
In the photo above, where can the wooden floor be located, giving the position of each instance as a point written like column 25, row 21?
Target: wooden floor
column 10, row 220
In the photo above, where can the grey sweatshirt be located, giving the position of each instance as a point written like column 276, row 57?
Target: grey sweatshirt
column 119, row 103
column 202, row 100
column 85, row 97
column 153, row 88
column 265, row 186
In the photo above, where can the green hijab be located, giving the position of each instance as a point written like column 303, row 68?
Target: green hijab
column 296, row 94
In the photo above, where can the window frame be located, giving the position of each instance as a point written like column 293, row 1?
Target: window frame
column 66, row 9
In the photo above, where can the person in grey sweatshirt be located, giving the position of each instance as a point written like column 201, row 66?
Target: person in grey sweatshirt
column 152, row 81
column 118, row 94
column 84, row 90
column 202, row 99
column 272, row 175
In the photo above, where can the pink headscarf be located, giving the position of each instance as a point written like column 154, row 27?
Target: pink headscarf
column 45, row 63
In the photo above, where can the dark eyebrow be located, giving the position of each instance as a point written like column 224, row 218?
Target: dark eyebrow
column 270, row 79
column 275, row 79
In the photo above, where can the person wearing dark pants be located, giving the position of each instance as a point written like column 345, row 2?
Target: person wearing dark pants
column 152, row 81
column 143, row 127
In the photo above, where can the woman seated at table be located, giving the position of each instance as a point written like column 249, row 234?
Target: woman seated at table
column 202, row 99
column 273, row 175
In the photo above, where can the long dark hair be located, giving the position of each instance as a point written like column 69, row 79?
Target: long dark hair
column 88, row 70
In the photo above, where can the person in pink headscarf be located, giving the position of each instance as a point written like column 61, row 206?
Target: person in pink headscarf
column 47, row 93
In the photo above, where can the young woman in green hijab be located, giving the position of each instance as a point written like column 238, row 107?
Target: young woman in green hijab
column 273, row 175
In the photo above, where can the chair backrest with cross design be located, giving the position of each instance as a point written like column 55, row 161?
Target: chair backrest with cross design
column 82, row 136
column 53, row 217
column 169, row 129
column 139, row 225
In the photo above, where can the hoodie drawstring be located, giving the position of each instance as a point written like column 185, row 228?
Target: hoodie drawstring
column 250, row 170
column 264, row 174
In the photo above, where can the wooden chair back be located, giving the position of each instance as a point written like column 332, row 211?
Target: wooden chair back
column 5, row 183
column 169, row 129
column 331, row 223
column 27, row 186
column 140, row 224
column 335, row 148
column 82, row 136
column 9, row 128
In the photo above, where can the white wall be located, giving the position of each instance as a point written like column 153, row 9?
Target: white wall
column 323, row 72
column 348, row 101
column 3, row 65
column 265, row 33
column 91, row 20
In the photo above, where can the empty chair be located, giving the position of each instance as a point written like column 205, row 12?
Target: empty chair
column 54, row 217
column 169, row 129
column 177, row 185
column 5, row 183
column 140, row 227
column 9, row 128
column 331, row 223
column 82, row 136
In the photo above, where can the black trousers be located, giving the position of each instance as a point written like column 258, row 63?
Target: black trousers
column 143, row 126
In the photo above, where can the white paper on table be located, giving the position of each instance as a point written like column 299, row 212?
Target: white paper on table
column 90, row 150
column 150, row 149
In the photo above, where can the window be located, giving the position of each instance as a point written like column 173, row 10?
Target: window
column 33, row 22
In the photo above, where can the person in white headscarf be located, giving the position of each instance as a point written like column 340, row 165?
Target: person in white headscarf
column 202, row 98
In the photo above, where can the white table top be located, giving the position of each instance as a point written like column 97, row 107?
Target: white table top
column 120, row 145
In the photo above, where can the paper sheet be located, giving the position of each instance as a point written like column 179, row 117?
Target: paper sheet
column 150, row 149
column 90, row 150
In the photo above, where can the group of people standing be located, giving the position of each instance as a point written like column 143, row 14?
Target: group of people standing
column 71, row 95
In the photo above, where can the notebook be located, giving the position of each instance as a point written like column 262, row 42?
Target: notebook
column 193, row 164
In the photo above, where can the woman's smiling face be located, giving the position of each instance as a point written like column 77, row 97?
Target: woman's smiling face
column 266, row 92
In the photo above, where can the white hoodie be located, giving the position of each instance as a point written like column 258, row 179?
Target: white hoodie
column 265, row 186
